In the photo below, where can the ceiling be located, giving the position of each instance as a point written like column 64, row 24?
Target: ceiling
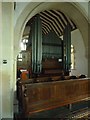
column 53, row 20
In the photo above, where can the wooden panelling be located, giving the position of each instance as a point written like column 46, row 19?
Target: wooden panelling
column 44, row 96
column 51, row 64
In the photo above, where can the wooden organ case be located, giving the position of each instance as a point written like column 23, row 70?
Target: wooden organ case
column 50, row 54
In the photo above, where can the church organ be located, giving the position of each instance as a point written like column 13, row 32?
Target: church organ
column 49, row 52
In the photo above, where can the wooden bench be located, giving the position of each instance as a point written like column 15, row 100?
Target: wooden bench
column 48, row 95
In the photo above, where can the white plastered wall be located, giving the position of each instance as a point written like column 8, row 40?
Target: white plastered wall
column 81, row 61
column 6, row 53
column 0, row 61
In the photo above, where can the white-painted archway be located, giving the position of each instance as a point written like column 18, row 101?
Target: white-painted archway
column 73, row 10
column 70, row 9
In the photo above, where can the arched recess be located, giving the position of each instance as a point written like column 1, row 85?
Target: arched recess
column 68, row 8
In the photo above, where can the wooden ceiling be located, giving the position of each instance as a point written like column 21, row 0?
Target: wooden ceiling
column 53, row 20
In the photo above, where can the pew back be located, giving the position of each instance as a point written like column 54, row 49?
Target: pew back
column 44, row 96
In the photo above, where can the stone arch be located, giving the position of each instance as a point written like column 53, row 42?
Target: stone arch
column 68, row 8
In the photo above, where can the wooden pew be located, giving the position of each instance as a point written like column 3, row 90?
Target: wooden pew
column 48, row 95
column 22, row 82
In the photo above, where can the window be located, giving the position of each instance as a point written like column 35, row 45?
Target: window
column 23, row 44
column 20, row 57
column 72, row 57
